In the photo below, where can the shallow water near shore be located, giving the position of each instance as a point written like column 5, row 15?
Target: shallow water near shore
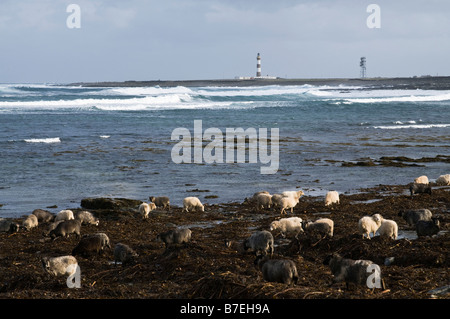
column 60, row 144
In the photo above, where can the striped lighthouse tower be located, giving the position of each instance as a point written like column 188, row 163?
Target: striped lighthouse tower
column 258, row 66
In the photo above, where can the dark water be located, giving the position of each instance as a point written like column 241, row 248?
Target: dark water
column 61, row 144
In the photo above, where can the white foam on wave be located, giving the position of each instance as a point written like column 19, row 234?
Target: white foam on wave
column 44, row 140
column 409, row 98
column 413, row 126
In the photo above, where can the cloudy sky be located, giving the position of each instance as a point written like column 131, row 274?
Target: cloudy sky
column 214, row 39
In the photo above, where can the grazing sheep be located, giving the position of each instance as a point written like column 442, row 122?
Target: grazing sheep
column 323, row 226
column 388, row 229
column 8, row 226
column 176, row 236
column 192, row 204
column 277, row 201
column 421, row 180
column 287, row 202
column 60, row 266
column 262, row 201
column 30, row 222
column 86, row 217
column 43, row 216
column 287, row 225
column 443, row 180
column 93, row 243
column 65, row 214
column 413, row 216
column 331, row 197
column 162, row 201
column 261, row 242
column 369, row 224
column 51, row 227
column 417, row 188
column 348, row 270
column 145, row 209
column 124, row 254
column 428, row 227
column 278, row 270
column 65, row 228
column 295, row 194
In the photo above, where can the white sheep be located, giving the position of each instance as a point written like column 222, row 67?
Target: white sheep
column 30, row 222
column 388, row 229
column 443, row 180
column 65, row 214
column 369, row 224
column 146, row 208
column 287, row 202
column 287, row 225
column 86, row 217
column 322, row 226
column 421, row 180
column 295, row 194
column 332, row 197
column 192, row 203
column 60, row 266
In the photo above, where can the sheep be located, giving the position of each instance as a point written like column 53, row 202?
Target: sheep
column 278, row 270
column 124, row 254
column 295, row 194
column 145, row 209
column 348, row 270
column 287, row 202
column 192, row 203
column 388, row 229
column 262, row 201
column 162, row 201
column 323, row 226
column 261, row 242
column 43, row 216
column 65, row 214
column 421, row 180
column 51, row 227
column 332, row 197
column 427, row 228
column 420, row 188
column 413, row 216
column 176, row 236
column 66, row 228
column 277, row 200
column 287, row 225
column 443, row 180
column 86, row 217
column 369, row 224
column 93, row 243
column 30, row 222
column 60, row 266
column 8, row 226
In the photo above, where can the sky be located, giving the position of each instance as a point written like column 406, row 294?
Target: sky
column 141, row 40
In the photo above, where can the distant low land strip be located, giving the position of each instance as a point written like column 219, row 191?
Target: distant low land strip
column 410, row 83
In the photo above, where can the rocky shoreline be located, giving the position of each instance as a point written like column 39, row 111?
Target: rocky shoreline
column 206, row 268
column 405, row 83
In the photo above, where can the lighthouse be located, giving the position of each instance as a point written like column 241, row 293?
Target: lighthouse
column 258, row 65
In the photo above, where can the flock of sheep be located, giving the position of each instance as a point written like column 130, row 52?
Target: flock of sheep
column 67, row 222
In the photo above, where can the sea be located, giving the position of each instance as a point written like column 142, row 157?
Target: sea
column 61, row 143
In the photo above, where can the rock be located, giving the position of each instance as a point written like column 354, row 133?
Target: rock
column 110, row 203
column 441, row 291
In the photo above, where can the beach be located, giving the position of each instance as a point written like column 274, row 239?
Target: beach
column 114, row 141
column 206, row 268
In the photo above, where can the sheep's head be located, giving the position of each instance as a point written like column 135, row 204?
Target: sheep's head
column 274, row 225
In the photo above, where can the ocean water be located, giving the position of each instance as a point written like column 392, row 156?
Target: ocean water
column 60, row 144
